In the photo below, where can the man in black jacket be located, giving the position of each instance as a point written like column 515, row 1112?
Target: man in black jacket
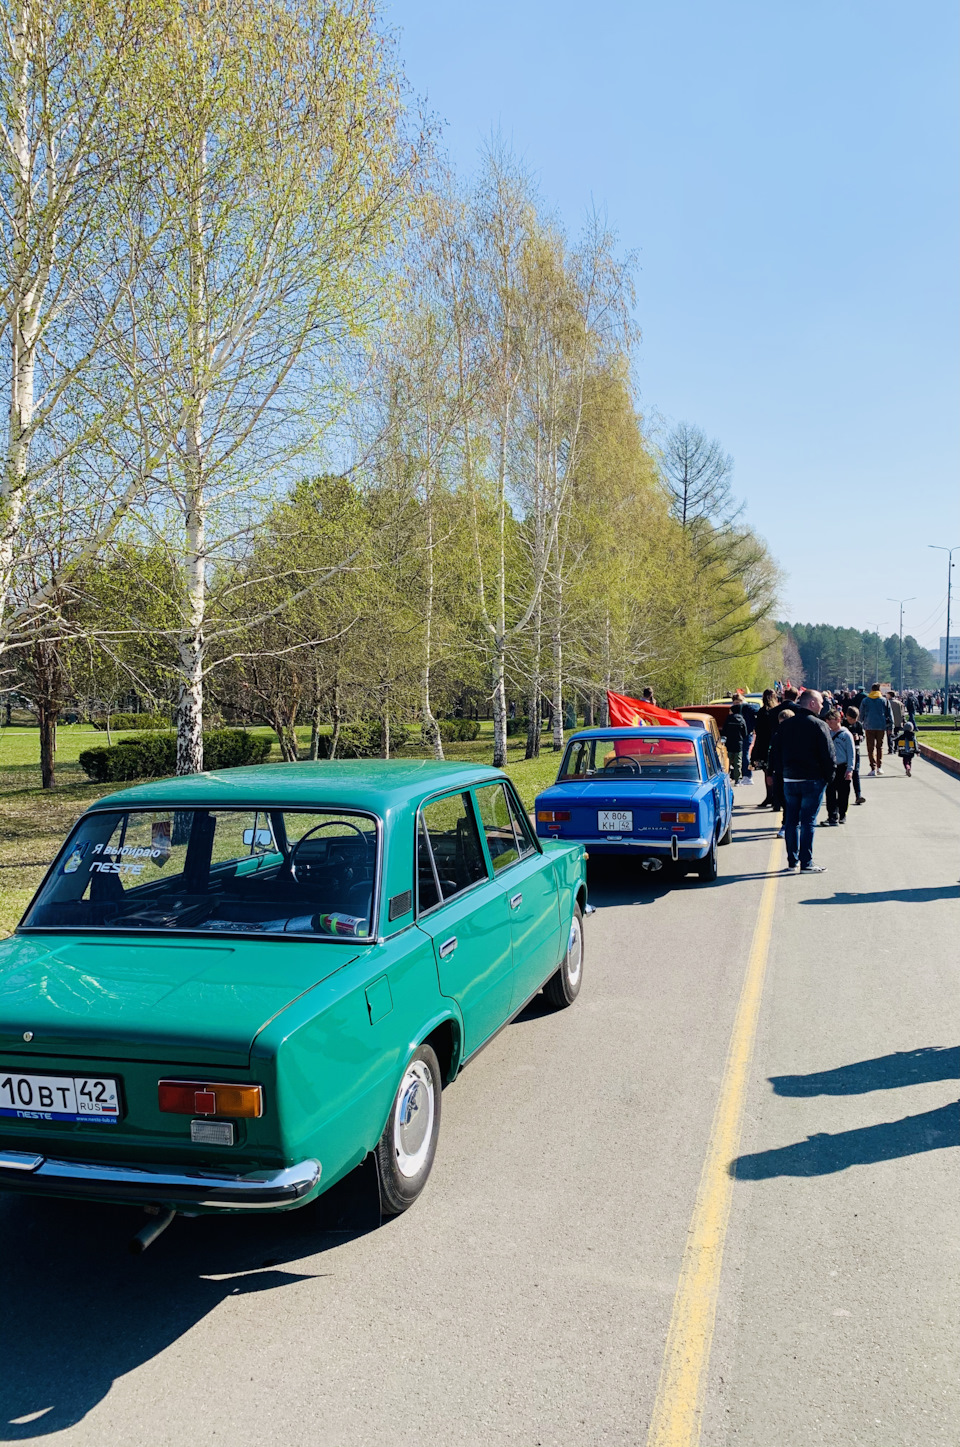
column 802, row 754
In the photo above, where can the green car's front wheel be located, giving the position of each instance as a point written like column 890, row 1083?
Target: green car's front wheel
column 408, row 1145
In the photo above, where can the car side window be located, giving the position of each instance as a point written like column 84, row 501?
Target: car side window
column 497, row 823
column 428, row 888
column 522, row 826
column 451, row 843
column 710, row 756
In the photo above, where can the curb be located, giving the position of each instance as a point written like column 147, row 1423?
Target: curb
column 945, row 761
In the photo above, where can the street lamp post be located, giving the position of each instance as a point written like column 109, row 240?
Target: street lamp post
column 938, row 547
column 877, row 632
column 901, row 601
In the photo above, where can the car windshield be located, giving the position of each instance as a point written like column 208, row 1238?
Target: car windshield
column 640, row 755
column 224, row 871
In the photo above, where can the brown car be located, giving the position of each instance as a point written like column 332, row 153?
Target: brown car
column 708, row 722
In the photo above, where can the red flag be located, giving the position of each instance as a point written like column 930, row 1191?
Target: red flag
column 634, row 712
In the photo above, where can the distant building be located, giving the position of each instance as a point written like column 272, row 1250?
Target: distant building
column 940, row 654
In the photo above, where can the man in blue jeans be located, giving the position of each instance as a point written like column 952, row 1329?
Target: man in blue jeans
column 803, row 755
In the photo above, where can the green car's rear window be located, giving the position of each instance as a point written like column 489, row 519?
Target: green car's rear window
column 223, row 871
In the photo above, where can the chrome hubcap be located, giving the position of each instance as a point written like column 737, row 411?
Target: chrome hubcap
column 574, row 952
column 413, row 1119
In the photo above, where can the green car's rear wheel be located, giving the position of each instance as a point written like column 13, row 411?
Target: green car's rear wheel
column 563, row 988
column 408, row 1145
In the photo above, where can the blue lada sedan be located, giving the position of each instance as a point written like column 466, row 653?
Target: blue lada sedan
column 656, row 794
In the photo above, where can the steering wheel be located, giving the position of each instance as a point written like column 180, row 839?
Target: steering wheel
column 292, row 861
column 623, row 759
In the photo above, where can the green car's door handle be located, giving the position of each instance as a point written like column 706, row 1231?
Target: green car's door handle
column 448, row 947
column 516, row 901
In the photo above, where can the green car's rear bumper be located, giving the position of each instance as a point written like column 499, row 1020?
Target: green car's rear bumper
column 158, row 1185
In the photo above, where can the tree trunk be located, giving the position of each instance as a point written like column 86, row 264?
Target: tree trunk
column 431, row 728
column 533, row 690
column 191, row 642
column 336, row 714
column 386, row 726
column 500, row 707
column 556, row 647
column 48, row 742
column 315, row 730
column 21, row 310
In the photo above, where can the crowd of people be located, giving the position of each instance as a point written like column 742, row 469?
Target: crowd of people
column 808, row 746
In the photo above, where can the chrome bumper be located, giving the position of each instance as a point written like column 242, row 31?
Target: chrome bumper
column 157, row 1185
column 686, row 848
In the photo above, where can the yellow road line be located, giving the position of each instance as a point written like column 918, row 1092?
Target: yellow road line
column 678, row 1407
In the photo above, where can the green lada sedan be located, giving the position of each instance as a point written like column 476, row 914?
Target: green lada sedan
column 233, row 988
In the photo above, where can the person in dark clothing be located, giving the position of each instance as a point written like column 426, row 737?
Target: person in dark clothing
column 907, row 746
column 851, row 722
column 767, row 720
column 803, row 754
column 750, row 712
column 734, row 733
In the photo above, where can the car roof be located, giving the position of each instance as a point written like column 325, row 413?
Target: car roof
column 649, row 731
column 373, row 784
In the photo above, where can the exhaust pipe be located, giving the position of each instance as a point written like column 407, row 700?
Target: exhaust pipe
column 149, row 1233
column 651, row 864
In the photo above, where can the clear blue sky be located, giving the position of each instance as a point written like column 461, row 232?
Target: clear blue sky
column 787, row 173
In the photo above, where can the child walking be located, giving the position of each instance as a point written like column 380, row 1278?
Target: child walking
column 906, row 747
column 838, row 788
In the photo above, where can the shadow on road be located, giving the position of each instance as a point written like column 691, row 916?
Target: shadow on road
column 925, row 895
column 80, row 1312
column 886, row 1072
column 823, row 1155
column 622, row 881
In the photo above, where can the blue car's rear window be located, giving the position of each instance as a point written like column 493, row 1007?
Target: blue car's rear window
column 634, row 756
column 222, row 871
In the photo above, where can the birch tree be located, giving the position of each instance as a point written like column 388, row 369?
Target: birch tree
column 71, row 167
column 283, row 161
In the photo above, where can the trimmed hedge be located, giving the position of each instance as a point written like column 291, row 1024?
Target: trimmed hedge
column 363, row 740
column 517, row 726
column 155, row 755
column 458, row 730
column 121, row 721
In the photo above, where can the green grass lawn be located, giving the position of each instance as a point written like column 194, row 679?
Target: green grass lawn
column 947, row 741
column 34, row 821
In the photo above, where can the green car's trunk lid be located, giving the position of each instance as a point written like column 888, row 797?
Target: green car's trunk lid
column 178, row 1001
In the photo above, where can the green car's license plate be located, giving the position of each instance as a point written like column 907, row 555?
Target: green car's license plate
column 60, row 1097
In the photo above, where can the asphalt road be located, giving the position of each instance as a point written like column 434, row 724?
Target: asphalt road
column 526, row 1298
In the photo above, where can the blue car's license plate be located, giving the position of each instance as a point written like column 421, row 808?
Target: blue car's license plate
column 615, row 821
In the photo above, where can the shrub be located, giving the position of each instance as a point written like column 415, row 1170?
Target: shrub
column 156, row 754
column 363, row 740
column 458, row 730
column 120, row 721
column 517, row 726
column 227, row 748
